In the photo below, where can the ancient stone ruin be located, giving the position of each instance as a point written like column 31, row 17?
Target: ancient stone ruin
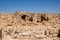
column 29, row 26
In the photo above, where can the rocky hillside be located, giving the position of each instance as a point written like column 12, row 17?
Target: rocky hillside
column 29, row 26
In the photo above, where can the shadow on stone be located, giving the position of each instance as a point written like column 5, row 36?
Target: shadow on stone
column 1, row 34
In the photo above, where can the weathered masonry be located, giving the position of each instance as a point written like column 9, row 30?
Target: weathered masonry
column 29, row 26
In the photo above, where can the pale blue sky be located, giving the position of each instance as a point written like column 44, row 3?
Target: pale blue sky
column 30, row 6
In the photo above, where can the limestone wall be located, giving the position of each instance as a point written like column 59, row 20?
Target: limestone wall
column 29, row 26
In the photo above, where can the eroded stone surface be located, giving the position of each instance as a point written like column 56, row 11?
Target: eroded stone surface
column 30, row 26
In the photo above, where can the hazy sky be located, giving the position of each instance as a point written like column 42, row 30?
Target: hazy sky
column 30, row 5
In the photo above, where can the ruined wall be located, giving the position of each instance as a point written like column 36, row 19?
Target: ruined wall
column 29, row 26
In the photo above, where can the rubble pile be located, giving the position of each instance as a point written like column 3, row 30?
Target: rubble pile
column 29, row 26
